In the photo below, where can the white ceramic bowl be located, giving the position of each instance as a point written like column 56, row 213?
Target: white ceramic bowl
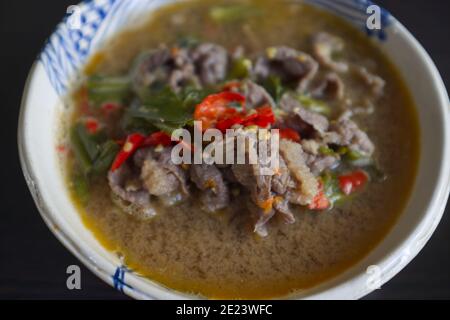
column 65, row 53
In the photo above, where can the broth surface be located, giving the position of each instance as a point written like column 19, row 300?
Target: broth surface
column 217, row 255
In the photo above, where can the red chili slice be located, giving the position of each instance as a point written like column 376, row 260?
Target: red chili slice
column 156, row 139
column 92, row 125
column 263, row 117
column 133, row 142
column 225, row 124
column 110, row 108
column 320, row 201
column 352, row 182
column 290, row 134
column 216, row 107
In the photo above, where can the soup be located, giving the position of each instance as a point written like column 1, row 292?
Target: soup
column 348, row 147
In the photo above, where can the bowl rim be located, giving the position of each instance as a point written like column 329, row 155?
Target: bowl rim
column 102, row 267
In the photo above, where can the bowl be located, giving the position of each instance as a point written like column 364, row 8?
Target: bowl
column 93, row 22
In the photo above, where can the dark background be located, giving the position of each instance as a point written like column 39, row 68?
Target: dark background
column 33, row 263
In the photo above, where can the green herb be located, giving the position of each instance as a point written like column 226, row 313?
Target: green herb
column 163, row 106
column 274, row 87
column 353, row 155
column 326, row 151
column 233, row 13
column 192, row 96
column 314, row 105
column 240, row 69
column 331, row 187
column 108, row 89
column 342, row 150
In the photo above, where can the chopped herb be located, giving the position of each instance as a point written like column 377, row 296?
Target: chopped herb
column 240, row 69
column 331, row 187
column 326, row 151
column 274, row 87
column 353, row 155
column 233, row 13
column 314, row 105
column 108, row 152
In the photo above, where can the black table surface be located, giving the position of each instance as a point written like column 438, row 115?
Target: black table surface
column 32, row 261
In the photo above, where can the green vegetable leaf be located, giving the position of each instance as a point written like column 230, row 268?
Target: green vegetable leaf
column 162, row 106
column 163, row 110
column 93, row 155
column 84, row 146
column 108, row 89
column 103, row 162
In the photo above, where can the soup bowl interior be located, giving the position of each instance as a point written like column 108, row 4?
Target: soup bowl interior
column 43, row 104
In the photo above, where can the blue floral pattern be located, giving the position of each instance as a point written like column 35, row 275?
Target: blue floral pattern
column 119, row 279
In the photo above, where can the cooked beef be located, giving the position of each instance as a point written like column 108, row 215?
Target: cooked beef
column 282, row 180
column 211, row 63
column 215, row 194
column 345, row 132
column 157, row 180
column 307, row 186
column 291, row 66
column 331, row 87
column 251, row 177
column 152, row 68
column 311, row 146
column 320, row 163
column 316, row 161
column 296, row 114
column 159, row 67
column 129, row 193
column 261, row 218
column 375, row 83
column 325, row 47
column 140, row 155
column 227, row 174
column 161, row 177
column 281, row 205
column 256, row 96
